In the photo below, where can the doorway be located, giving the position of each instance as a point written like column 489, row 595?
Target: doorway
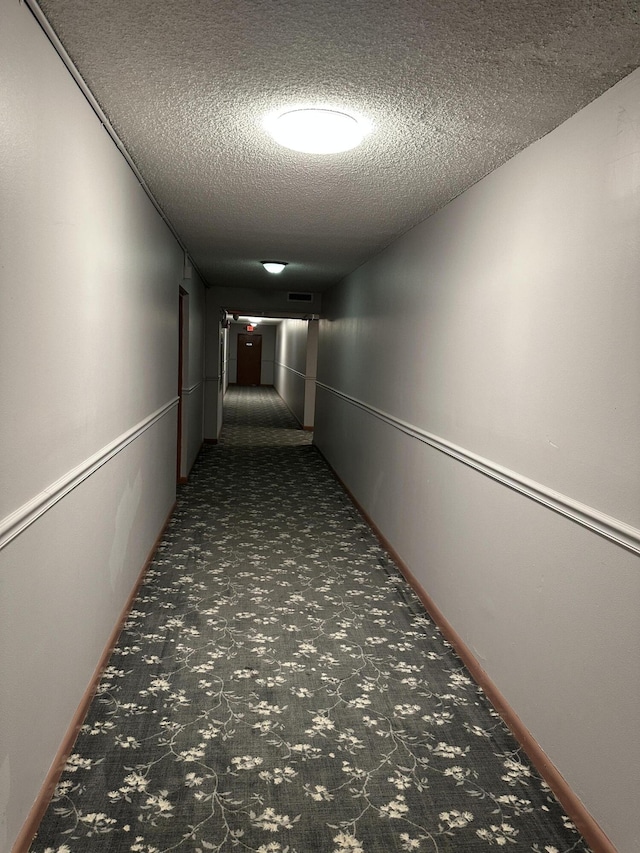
column 249, row 359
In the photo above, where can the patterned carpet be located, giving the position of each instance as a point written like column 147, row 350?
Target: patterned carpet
column 278, row 687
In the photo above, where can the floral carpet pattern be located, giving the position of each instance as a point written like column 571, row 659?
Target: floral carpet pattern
column 278, row 687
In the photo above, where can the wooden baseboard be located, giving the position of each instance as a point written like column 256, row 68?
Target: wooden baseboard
column 37, row 812
column 183, row 480
column 573, row 806
column 307, row 428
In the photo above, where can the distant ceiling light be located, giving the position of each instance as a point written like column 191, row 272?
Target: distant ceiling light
column 255, row 321
column 317, row 131
column 273, row 266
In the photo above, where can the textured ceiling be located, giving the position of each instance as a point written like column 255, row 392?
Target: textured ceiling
column 453, row 88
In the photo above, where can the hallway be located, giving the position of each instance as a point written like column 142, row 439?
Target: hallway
column 278, row 686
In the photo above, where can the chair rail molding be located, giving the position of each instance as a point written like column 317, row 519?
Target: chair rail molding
column 598, row 522
column 293, row 370
column 18, row 521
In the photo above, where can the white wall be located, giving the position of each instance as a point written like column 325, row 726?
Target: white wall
column 213, row 386
column 225, row 359
column 311, row 373
column 291, row 365
column 193, row 373
column 295, row 367
column 485, row 364
column 89, row 280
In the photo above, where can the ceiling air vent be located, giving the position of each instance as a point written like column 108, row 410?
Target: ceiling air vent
column 301, row 297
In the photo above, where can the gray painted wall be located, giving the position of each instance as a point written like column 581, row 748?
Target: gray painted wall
column 291, row 365
column 295, row 367
column 311, row 373
column 89, row 284
column 496, row 348
column 193, row 374
column 225, row 359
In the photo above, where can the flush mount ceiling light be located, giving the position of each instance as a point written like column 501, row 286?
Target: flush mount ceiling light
column 317, row 130
column 274, row 266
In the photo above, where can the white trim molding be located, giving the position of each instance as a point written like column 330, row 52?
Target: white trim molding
column 18, row 521
column 598, row 522
column 297, row 372
column 191, row 388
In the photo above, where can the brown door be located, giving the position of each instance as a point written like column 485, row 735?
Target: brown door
column 249, row 359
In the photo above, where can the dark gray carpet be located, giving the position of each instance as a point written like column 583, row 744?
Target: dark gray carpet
column 278, row 687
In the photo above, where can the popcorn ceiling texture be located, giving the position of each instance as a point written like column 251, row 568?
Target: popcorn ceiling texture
column 453, row 89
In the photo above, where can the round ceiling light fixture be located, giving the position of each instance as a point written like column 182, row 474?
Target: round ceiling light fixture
column 317, row 130
column 274, row 267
